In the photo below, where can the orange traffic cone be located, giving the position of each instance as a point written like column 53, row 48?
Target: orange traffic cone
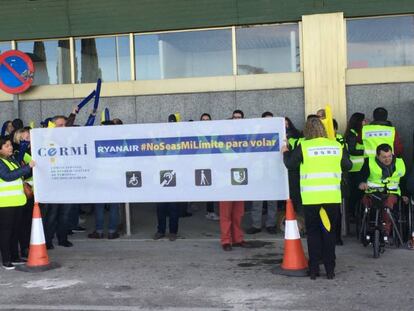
column 38, row 259
column 294, row 260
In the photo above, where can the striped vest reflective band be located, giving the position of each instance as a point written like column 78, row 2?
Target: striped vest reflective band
column 393, row 183
column 11, row 192
column 375, row 135
column 320, row 172
column 357, row 160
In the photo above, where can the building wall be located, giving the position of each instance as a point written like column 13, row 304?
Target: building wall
column 397, row 98
column 156, row 108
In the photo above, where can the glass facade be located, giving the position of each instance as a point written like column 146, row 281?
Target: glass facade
column 380, row 42
column 5, row 46
column 183, row 54
column 107, row 58
column 51, row 60
column 267, row 49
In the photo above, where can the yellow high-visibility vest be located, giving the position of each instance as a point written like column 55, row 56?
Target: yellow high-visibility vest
column 393, row 183
column 320, row 172
column 11, row 192
column 375, row 135
column 357, row 160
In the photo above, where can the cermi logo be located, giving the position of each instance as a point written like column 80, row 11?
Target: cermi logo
column 53, row 151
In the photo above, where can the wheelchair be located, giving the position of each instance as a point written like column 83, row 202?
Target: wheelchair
column 370, row 222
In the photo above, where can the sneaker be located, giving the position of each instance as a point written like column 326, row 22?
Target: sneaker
column 253, row 230
column 49, row 246
column 65, row 243
column 79, row 229
column 8, row 266
column 226, row 247
column 330, row 275
column 158, row 236
column 18, row 261
column 172, row 237
column 95, row 235
column 113, row 235
column 212, row 216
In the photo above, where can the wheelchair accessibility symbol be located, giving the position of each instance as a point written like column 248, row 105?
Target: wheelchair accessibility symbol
column 133, row 179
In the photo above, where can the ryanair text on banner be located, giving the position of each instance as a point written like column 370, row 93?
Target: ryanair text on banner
column 188, row 161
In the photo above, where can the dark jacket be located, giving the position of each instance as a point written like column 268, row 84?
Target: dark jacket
column 7, row 175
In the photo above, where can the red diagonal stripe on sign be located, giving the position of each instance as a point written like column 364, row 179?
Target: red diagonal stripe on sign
column 14, row 72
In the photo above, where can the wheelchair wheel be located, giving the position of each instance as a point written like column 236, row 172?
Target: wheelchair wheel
column 376, row 243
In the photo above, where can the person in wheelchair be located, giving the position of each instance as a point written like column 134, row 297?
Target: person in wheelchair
column 382, row 174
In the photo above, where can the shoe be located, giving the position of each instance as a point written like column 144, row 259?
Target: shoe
column 18, row 261
column 271, row 230
column 187, row 214
column 253, row 230
column 339, row 242
column 49, row 246
column 330, row 275
column 65, row 243
column 95, row 235
column 113, row 235
column 313, row 275
column 172, row 237
column 79, row 229
column 70, row 232
column 8, row 266
column 212, row 216
column 226, row 247
column 243, row 244
column 158, row 235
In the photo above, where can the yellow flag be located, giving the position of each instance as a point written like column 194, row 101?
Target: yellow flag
column 325, row 219
column 32, row 124
column 177, row 117
column 328, row 122
column 51, row 124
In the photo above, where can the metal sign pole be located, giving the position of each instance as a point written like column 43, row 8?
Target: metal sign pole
column 16, row 107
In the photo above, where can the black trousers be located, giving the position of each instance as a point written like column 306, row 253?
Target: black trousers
column 9, row 232
column 25, row 226
column 321, row 243
column 165, row 210
column 56, row 221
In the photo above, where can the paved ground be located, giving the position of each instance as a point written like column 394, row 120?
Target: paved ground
column 193, row 273
column 131, row 274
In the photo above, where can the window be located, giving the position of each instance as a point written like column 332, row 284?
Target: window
column 4, row 46
column 380, row 42
column 51, row 59
column 183, row 54
column 106, row 58
column 267, row 49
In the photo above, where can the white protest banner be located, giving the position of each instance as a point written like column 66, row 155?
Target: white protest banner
column 166, row 162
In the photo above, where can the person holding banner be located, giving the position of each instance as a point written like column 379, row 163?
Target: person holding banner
column 257, row 209
column 321, row 161
column 22, row 156
column 231, row 214
column 12, row 200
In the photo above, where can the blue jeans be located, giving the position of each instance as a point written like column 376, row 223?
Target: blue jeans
column 113, row 217
column 165, row 210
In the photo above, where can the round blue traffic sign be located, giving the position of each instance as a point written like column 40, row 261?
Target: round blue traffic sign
column 16, row 72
